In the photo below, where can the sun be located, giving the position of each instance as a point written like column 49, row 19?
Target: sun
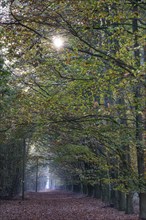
column 58, row 42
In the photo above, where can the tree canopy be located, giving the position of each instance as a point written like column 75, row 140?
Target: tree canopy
column 85, row 100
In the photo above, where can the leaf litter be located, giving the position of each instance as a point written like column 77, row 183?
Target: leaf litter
column 59, row 205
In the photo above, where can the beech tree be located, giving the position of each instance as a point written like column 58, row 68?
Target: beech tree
column 93, row 86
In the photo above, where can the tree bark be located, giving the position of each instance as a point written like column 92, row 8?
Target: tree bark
column 142, row 206
column 139, row 118
column 129, row 203
column 36, row 181
column 23, row 168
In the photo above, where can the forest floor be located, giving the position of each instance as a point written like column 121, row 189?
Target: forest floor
column 59, row 205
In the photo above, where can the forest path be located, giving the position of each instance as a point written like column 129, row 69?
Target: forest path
column 59, row 205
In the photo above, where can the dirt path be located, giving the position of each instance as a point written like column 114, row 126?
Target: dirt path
column 58, row 205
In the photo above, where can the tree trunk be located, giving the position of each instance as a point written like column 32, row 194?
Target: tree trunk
column 120, row 201
column 105, row 193
column 36, row 181
column 97, row 191
column 81, row 188
column 142, row 206
column 76, row 188
column 129, row 203
column 23, row 168
column 90, row 190
column 139, row 119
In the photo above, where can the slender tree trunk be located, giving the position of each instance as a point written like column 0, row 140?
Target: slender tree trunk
column 129, row 203
column 97, row 191
column 23, row 168
column 125, row 201
column 90, row 190
column 120, row 200
column 36, row 181
column 85, row 189
column 139, row 119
